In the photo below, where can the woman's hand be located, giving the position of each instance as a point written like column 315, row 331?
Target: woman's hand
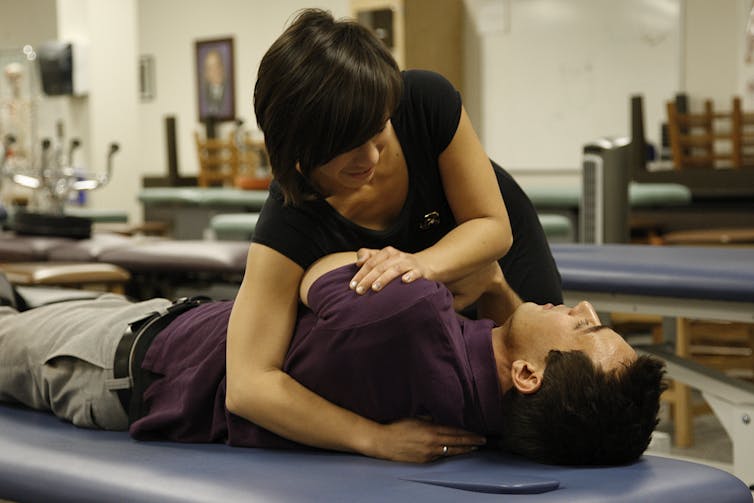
column 421, row 441
column 380, row 267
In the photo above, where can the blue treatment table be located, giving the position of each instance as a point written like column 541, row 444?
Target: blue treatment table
column 695, row 282
column 679, row 282
column 44, row 459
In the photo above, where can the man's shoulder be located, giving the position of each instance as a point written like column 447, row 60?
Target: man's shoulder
column 332, row 299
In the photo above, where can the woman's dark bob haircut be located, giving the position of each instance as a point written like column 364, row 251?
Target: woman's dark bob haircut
column 323, row 88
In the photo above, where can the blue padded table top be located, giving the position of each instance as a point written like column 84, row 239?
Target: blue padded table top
column 664, row 271
column 45, row 459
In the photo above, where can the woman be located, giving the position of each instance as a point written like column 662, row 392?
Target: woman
column 366, row 158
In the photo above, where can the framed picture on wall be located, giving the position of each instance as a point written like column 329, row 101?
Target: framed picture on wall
column 215, row 80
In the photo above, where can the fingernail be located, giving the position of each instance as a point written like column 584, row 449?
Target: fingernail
column 407, row 277
column 352, row 285
column 376, row 286
column 360, row 289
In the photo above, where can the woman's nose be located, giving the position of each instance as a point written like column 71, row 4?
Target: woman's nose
column 370, row 153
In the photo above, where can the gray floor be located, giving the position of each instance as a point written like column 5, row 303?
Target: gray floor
column 711, row 442
column 712, row 446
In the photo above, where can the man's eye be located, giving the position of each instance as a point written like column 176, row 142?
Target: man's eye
column 581, row 324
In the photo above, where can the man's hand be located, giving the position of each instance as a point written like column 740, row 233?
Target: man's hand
column 380, row 267
column 421, row 441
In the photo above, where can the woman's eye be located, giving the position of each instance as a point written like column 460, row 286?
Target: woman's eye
column 384, row 127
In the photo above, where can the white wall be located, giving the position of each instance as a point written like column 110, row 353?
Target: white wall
column 557, row 75
column 745, row 53
column 109, row 112
column 711, row 51
column 168, row 30
column 543, row 76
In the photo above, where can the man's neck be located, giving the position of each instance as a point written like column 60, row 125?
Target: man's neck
column 503, row 361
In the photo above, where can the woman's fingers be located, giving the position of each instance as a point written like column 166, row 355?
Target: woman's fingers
column 380, row 267
column 456, row 442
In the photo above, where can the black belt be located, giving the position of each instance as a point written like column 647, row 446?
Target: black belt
column 136, row 340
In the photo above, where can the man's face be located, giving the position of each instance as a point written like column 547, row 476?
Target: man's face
column 214, row 70
column 535, row 330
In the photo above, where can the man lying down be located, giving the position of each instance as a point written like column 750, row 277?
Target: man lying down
column 550, row 383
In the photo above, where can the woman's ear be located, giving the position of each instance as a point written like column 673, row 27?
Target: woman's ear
column 527, row 378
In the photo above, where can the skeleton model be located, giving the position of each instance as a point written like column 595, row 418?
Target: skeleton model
column 16, row 111
column 52, row 177
column 49, row 172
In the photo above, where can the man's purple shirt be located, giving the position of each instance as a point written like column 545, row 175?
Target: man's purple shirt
column 402, row 352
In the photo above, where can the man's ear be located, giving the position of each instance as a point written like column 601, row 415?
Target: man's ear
column 298, row 168
column 527, row 378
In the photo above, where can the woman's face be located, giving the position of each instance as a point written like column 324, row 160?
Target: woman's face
column 351, row 170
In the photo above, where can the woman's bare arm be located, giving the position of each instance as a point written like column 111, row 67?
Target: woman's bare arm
column 259, row 333
column 483, row 233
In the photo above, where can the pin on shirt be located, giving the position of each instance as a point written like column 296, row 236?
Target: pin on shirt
column 431, row 219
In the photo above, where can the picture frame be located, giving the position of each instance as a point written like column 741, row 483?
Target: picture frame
column 215, row 80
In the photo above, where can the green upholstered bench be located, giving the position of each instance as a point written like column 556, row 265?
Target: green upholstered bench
column 240, row 226
column 640, row 195
column 658, row 195
column 558, row 228
column 188, row 210
column 203, row 196
column 233, row 226
column 99, row 216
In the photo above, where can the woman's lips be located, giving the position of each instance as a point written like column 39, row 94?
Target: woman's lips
column 361, row 174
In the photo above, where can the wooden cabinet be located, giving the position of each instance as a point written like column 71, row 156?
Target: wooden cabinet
column 425, row 34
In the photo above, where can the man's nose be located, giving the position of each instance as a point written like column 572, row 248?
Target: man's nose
column 586, row 310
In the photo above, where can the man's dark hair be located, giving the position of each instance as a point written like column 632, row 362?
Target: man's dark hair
column 323, row 88
column 582, row 415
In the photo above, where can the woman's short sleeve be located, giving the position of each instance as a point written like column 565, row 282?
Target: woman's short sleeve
column 434, row 97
